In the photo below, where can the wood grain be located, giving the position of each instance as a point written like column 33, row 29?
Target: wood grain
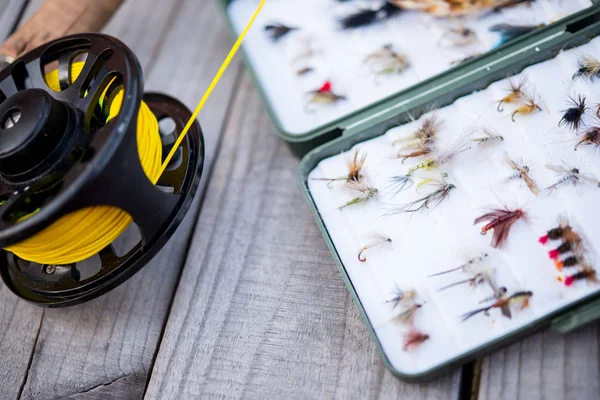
column 105, row 348
column 260, row 311
column 545, row 366
column 19, row 322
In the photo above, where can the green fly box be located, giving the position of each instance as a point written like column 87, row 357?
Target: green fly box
column 459, row 209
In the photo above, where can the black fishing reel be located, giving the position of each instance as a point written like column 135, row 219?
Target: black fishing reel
column 59, row 154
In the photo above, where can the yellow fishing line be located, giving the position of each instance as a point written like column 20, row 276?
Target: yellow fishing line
column 83, row 233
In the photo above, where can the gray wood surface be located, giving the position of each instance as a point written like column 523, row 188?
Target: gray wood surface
column 545, row 366
column 260, row 310
column 19, row 322
column 105, row 348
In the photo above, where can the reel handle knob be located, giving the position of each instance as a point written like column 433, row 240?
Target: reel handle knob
column 32, row 124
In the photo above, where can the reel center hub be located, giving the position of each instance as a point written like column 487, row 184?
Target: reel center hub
column 32, row 124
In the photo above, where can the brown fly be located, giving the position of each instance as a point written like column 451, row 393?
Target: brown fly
column 504, row 303
column 458, row 37
column 588, row 68
column 422, row 141
column 355, row 169
column 304, row 71
column 591, row 137
column 521, row 172
column 586, row 273
column 500, row 221
column 387, row 61
column 376, row 240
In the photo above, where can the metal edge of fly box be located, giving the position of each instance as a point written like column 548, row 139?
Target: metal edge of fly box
column 301, row 144
column 441, row 91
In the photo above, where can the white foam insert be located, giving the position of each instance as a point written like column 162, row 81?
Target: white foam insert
column 445, row 237
column 342, row 53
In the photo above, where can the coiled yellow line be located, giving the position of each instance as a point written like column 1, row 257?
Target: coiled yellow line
column 85, row 232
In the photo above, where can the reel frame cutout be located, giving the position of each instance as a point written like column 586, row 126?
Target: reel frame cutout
column 96, row 164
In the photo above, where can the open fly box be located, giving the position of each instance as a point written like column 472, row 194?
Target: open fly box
column 458, row 169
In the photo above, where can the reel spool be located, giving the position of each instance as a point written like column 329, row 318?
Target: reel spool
column 59, row 153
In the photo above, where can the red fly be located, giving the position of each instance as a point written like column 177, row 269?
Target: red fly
column 414, row 338
column 500, row 221
column 587, row 273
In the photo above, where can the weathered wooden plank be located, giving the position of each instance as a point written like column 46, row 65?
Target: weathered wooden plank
column 9, row 13
column 545, row 366
column 19, row 322
column 260, row 311
column 105, row 348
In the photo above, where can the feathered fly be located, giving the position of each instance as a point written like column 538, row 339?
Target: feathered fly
column 500, row 221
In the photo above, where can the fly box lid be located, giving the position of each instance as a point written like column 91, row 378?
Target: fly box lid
column 300, row 48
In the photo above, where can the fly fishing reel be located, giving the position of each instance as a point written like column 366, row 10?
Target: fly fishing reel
column 75, row 134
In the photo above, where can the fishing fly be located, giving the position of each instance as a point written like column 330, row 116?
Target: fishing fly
column 442, row 156
column 414, row 338
column 591, row 137
column 422, row 141
column 403, row 298
column 521, row 172
column 528, row 107
column 572, row 116
column 409, row 307
column 571, row 245
column 519, row 299
column 569, row 262
column 386, row 61
column 588, row 68
column 563, row 231
column 489, row 137
column 433, row 199
column 461, row 36
column 376, row 239
column 369, row 16
column 304, row 71
column 323, row 95
column 515, row 93
column 480, row 275
column 466, row 267
column 276, row 31
column 586, row 273
column 569, row 175
column 361, row 191
column 355, row 169
column 500, row 221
